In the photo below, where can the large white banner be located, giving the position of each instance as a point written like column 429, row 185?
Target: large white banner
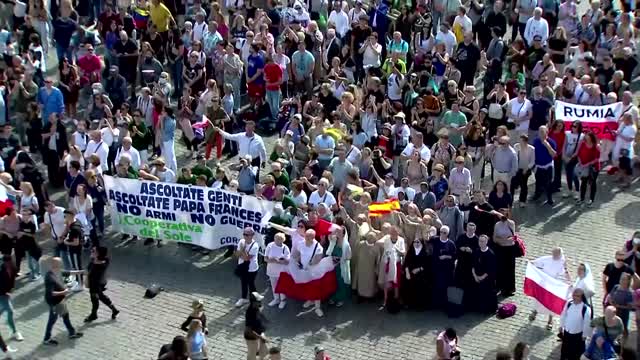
column 211, row 218
column 601, row 120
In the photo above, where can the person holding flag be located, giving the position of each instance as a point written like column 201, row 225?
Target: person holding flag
column 554, row 267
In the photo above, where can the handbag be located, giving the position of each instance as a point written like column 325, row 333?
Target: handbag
column 61, row 309
column 582, row 171
column 521, row 247
column 495, row 111
column 243, row 268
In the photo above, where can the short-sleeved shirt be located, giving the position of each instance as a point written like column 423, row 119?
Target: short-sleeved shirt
column 252, row 250
column 307, row 253
column 255, row 63
column 56, row 221
column 303, row 63
column 614, row 273
column 160, row 16
column 53, row 284
column 272, row 73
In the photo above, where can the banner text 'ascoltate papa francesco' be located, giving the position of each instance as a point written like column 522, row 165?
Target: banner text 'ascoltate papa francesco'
column 211, row 218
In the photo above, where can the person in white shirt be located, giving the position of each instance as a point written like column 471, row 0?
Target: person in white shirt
column 408, row 191
column 247, row 269
column 80, row 137
column 536, row 26
column 356, row 12
column 128, row 150
column 322, row 195
column 371, row 51
column 575, row 326
column 277, row 256
column 446, row 36
column 199, row 28
column 55, row 222
column 463, row 20
column 340, row 19
column 98, row 147
column 352, row 151
column 306, row 254
column 417, row 144
column 249, row 143
column 460, row 180
column 519, row 113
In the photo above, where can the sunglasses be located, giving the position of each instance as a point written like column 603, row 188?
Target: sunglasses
column 247, row 234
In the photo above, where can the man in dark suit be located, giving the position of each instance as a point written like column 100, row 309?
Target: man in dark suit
column 331, row 48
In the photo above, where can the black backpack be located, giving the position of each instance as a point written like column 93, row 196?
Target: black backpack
column 152, row 291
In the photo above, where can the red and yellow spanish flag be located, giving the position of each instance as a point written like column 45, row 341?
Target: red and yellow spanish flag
column 383, row 208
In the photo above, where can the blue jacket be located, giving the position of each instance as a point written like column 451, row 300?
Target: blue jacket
column 51, row 103
column 382, row 22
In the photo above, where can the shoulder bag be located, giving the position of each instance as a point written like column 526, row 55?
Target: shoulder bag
column 243, row 268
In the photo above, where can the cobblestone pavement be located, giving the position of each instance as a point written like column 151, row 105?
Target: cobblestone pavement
column 356, row 331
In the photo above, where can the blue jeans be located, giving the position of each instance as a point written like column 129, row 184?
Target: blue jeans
column 64, row 255
column 6, row 305
column 176, row 76
column 572, row 180
column 64, row 53
column 53, row 317
column 97, row 9
column 436, row 17
column 34, row 267
column 273, row 99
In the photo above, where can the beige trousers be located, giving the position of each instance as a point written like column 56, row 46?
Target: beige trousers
column 256, row 347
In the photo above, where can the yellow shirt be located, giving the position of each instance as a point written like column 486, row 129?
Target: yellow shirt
column 161, row 16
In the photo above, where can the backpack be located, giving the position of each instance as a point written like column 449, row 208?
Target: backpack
column 152, row 291
column 506, row 310
column 584, row 308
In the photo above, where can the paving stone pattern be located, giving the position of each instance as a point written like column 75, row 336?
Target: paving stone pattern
column 356, row 331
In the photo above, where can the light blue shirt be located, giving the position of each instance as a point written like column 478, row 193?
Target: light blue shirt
column 303, row 64
column 325, row 142
column 168, row 128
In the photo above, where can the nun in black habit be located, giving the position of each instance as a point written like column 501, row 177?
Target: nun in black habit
column 484, row 275
column 417, row 276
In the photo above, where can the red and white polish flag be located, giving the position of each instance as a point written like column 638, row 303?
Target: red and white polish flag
column 5, row 202
column 318, row 282
column 548, row 292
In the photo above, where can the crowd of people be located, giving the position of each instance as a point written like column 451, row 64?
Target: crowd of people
column 432, row 108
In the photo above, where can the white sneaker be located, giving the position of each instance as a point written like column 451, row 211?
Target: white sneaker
column 307, row 304
column 576, row 195
column 523, row 205
column 72, row 284
column 17, row 336
column 77, row 287
column 274, row 302
column 282, row 304
column 241, row 302
column 319, row 312
column 566, row 194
